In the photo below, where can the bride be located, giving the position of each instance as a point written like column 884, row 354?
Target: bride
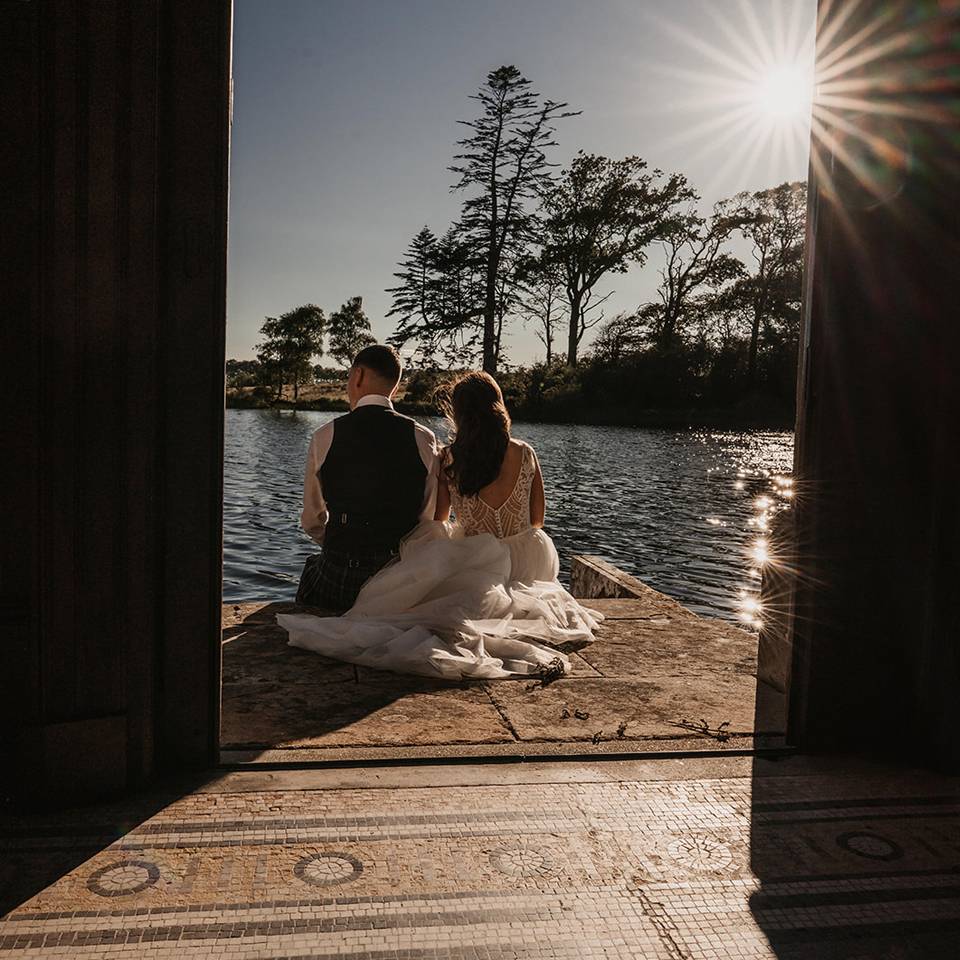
column 477, row 597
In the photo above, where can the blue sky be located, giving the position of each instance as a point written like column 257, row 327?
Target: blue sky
column 345, row 122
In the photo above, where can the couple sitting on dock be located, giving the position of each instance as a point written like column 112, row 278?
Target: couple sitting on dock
column 477, row 597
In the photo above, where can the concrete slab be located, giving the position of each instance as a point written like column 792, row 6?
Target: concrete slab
column 690, row 647
column 651, row 605
column 658, row 677
column 626, row 708
column 403, row 710
column 263, row 655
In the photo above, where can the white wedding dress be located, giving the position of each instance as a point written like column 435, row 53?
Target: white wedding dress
column 475, row 598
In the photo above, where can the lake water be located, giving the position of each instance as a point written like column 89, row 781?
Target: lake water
column 684, row 510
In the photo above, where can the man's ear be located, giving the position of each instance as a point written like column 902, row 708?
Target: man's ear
column 360, row 374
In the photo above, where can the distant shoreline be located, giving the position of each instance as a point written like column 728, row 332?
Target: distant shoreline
column 730, row 419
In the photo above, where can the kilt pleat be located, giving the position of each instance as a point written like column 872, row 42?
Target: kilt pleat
column 332, row 581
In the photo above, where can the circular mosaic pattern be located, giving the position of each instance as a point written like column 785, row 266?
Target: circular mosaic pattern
column 128, row 876
column 701, row 853
column 521, row 862
column 869, row 845
column 324, row 869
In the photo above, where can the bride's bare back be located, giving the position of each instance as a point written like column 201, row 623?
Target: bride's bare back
column 512, row 503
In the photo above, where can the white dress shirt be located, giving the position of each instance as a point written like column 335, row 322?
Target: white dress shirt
column 314, row 516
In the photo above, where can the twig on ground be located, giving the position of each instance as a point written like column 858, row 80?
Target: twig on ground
column 721, row 734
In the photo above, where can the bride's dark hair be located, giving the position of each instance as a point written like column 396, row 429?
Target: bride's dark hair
column 481, row 431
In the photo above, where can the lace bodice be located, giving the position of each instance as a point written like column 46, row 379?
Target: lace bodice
column 507, row 520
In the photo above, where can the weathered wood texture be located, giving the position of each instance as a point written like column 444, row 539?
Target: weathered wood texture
column 113, row 254
column 875, row 626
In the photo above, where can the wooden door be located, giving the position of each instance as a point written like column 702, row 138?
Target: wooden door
column 113, row 220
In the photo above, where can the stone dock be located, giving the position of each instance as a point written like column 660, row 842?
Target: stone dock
column 658, row 679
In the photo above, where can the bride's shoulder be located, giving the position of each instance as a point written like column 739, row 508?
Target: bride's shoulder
column 523, row 447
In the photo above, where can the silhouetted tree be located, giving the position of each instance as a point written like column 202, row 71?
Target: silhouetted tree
column 543, row 305
column 348, row 331
column 775, row 225
column 439, row 298
column 618, row 338
column 504, row 160
column 415, row 296
column 695, row 263
column 598, row 218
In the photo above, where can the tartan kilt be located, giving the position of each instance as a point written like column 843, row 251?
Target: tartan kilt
column 332, row 580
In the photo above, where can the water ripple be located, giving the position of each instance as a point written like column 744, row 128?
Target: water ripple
column 683, row 510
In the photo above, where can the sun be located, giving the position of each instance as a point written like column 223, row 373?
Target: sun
column 746, row 91
column 784, row 92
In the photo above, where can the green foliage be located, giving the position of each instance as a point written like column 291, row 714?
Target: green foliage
column 289, row 344
column 349, row 331
column 244, row 373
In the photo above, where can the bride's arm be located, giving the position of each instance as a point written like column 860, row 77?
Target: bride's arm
column 443, row 491
column 538, row 505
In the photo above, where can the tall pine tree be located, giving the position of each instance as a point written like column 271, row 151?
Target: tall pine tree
column 504, row 162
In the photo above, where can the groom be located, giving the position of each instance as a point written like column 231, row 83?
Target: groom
column 371, row 476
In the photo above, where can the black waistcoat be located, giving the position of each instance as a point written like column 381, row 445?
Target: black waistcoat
column 373, row 480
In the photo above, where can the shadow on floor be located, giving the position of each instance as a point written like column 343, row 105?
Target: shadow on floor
column 37, row 849
column 854, row 860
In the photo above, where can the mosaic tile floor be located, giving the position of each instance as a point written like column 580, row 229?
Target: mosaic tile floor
column 720, row 867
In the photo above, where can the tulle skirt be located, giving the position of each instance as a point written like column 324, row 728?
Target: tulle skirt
column 457, row 607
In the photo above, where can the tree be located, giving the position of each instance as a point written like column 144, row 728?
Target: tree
column 349, row 331
column 598, row 218
column 243, row 373
column 439, row 298
column 289, row 343
column 775, row 225
column 414, row 297
column 695, row 263
column 543, row 305
column 504, row 160
column 618, row 338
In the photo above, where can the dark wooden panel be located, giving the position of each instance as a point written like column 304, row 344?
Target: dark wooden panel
column 876, row 626
column 20, row 344
column 196, row 89
column 62, row 218
column 101, row 653
column 114, row 283
column 138, row 277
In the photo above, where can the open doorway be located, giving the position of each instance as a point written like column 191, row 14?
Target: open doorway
column 657, row 385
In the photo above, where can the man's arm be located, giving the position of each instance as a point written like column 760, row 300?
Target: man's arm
column 429, row 453
column 313, row 517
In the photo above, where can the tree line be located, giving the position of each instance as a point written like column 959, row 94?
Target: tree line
column 532, row 244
